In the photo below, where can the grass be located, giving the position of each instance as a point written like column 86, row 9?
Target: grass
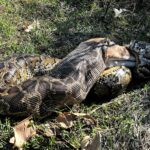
column 63, row 24
column 123, row 124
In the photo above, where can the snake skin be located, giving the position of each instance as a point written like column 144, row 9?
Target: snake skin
column 113, row 82
column 17, row 69
column 99, row 63
column 141, row 50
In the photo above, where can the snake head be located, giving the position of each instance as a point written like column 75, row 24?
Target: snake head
column 141, row 50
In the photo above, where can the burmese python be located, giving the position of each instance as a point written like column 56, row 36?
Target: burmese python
column 39, row 85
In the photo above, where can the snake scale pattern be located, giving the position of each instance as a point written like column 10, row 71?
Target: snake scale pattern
column 39, row 85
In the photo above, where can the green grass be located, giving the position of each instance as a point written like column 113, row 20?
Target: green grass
column 63, row 25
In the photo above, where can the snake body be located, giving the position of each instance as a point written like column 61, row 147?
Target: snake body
column 39, row 85
column 19, row 68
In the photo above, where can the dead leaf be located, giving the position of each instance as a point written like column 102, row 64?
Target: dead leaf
column 84, row 115
column 93, row 144
column 2, row 9
column 28, row 27
column 48, row 129
column 65, row 120
column 22, row 132
column 85, row 142
column 118, row 12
